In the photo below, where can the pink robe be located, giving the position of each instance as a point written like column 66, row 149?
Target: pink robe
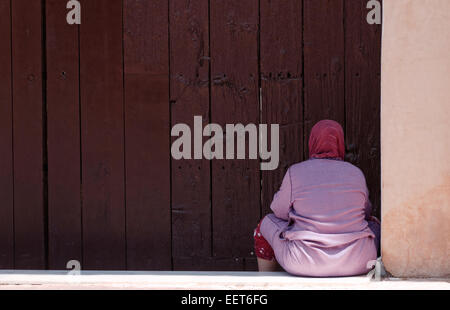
column 319, row 225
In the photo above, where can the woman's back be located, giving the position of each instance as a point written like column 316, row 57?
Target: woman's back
column 328, row 196
column 318, row 226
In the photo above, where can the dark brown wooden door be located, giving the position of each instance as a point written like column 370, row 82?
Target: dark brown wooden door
column 86, row 113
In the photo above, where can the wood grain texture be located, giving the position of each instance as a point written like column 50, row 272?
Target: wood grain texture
column 323, row 63
column 113, row 88
column 6, row 146
column 147, row 131
column 215, row 263
column 102, row 134
column 362, row 95
column 234, row 99
column 282, row 86
column 63, row 138
column 205, row 263
column 29, row 215
column 189, row 93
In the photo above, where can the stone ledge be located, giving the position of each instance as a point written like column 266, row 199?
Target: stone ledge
column 17, row 279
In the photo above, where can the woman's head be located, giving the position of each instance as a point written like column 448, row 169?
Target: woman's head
column 327, row 140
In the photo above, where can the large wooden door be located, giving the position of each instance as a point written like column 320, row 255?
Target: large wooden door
column 86, row 113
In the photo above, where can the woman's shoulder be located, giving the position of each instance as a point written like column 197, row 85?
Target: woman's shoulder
column 345, row 166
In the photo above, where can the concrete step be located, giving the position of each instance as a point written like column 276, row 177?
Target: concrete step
column 25, row 279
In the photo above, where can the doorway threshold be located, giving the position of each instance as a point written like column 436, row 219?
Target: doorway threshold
column 203, row 280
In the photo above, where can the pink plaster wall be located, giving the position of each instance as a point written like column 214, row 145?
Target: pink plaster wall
column 415, row 138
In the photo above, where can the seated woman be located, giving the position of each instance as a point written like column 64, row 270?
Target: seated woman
column 321, row 224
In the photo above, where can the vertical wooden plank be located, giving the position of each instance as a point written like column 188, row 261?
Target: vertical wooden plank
column 63, row 137
column 6, row 152
column 234, row 99
column 281, row 83
column 147, row 134
column 362, row 89
column 189, row 93
column 250, row 263
column 28, row 134
column 323, row 63
column 205, row 263
column 101, row 69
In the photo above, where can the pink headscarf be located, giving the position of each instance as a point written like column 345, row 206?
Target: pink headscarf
column 327, row 140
